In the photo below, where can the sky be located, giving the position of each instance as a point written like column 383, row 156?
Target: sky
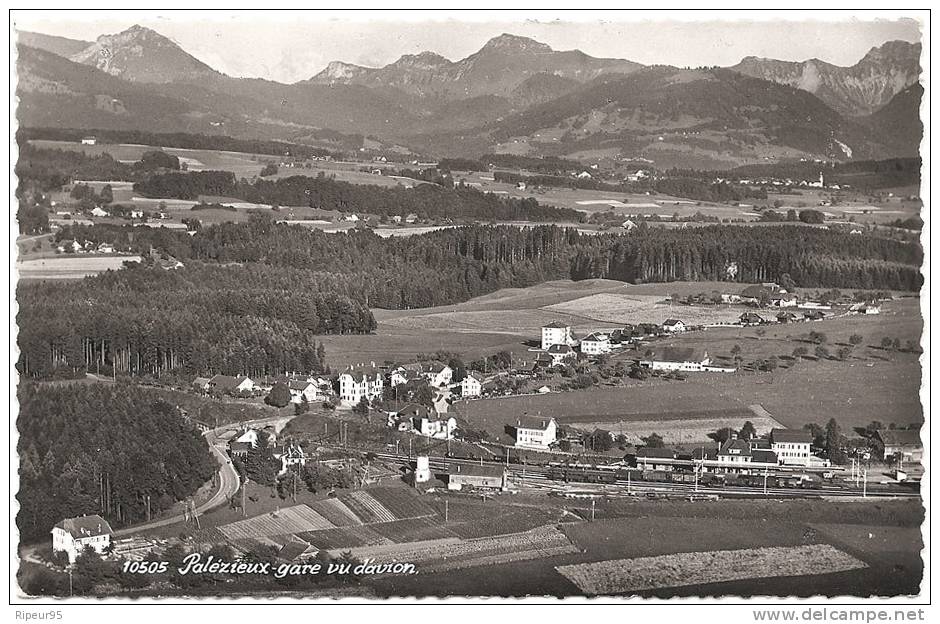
column 288, row 47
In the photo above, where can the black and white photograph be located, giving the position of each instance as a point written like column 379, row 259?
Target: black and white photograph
column 499, row 306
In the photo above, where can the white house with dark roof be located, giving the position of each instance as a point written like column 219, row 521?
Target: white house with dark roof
column 906, row 442
column 471, row 385
column 230, row 384
column 792, row 446
column 356, row 383
column 686, row 359
column 739, row 453
column 438, row 374
column 303, row 389
column 535, row 431
column 292, row 455
column 556, row 333
column 596, row 343
column 560, row 353
column 72, row 535
column 673, row 326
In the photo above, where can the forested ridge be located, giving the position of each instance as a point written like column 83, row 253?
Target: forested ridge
column 96, row 448
column 813, row 257
column 253, row 295
column 324, row 193
column 204, row 319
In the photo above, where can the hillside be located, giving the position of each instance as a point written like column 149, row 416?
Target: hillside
column 860, row 89
column 674, row 116
column 50, row 43
column 899, row 121
column 80, row 454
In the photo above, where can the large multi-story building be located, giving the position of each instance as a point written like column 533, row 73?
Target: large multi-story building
column 792, row 446
column 556, row 333
column 358, row 383
column 535, row 431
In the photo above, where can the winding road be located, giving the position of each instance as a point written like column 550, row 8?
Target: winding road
column 228, row 485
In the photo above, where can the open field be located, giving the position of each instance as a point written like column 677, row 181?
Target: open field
column 872, row 384
column 660, row 528
column 602, row 201
column 632, row 575
column 682, row 412
column 70, row 267
column 620, row 309
column 240, row 163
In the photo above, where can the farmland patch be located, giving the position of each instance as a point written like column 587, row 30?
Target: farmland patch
column 621, row 576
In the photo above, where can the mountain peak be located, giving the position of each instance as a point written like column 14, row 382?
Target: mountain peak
column 514, row 43
column 144, row 55
column 338, row 71
column 422, row 59
column 893, row 51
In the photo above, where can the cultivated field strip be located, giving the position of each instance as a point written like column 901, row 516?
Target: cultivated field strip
column 402, row 504
column 444, row 554
column 382, row 506
column 368, row 509
column 344, row 538
column 336, row 512
column 310, row 518
column 412, row 530
column 697, row 568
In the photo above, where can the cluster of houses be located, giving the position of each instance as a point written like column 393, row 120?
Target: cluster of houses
column 558, row 347
column 70, row 245
column 289, row 454
column 302, row 387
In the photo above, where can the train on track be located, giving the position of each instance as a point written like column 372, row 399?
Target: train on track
column 582, row 473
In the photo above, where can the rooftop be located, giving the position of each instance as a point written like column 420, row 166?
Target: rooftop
column 476, row 470
column 900, row 437
column 533, row 422
column 677, row 354
column 800, row 436
column 555, row 325
column 85, row 526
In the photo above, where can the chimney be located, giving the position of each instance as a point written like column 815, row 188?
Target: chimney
column 734, row 436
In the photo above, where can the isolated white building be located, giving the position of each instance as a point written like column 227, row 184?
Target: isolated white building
column 535, row 432
column 72, row 535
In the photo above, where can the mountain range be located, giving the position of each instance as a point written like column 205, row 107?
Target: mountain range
column 513, row 95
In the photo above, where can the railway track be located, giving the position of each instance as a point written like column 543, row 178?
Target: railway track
column 538, row 476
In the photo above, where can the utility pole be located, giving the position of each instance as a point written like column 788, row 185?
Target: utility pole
column 446, row 509
column 765, row 481
column 592, row 509
column 628, row 481
column 865, row 485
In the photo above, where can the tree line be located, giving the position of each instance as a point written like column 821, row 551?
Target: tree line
column 187, row 141
column 428, row 201
column 102, row 449
column 255, row 320
column 813, row 257
column 271, row 286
